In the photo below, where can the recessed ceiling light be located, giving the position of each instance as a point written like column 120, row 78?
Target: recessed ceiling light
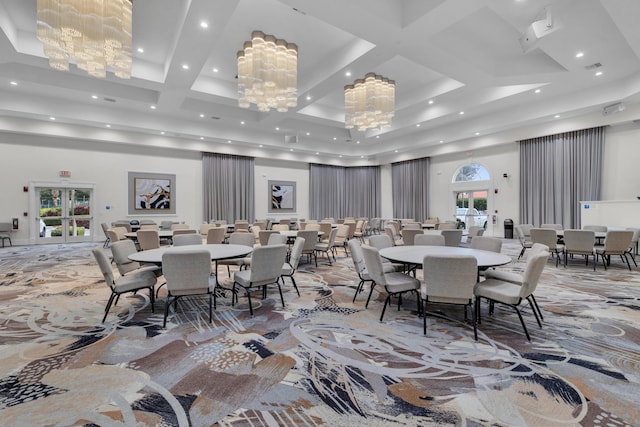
column 537, row 91
column 579, row 54
column 308, row 97
column 201, row 116
column 94, row 96
column 362, row 157
column 334, row 138
column 162, row 133
column 308, row 133
column 242, row 122
column 153, row 107
column 185, row 66
column 215, row 70
column 348, row 74
column 277, row 128
column 441, row 141
column 377, row 136
column 557, row 116
column 229, row 142
column 395, row 151
column 430, row 101
column 598, row 73
column 290, row 149
column 201, row 138
column 107, row 125
column 357, row 142
column 13, row 83
column 477, row 133
column 340, row 156
column 418, row 125
column 260, row 145
column 204, row 24
column 461, row 112
column 317, row 153
column 52, row 118
column 140, row 50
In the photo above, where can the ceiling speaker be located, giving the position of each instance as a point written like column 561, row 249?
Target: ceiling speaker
column 613, row 108
column 291, row 139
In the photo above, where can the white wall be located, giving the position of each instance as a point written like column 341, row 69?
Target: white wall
column 280, row 170
column 621, row 167
column 24, row 159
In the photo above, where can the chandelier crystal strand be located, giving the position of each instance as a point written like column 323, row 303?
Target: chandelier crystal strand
column 369, row 103
column 95, row 34
column 267, row 73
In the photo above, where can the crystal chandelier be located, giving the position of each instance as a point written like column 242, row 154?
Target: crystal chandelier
column 369, row 103
column 95, row 34
column 268, row 73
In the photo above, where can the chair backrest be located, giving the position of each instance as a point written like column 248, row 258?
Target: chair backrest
column 105, row 266
column 487, row 243
column 312, row 226
column 124, row 224
column 255, row 229
column 532, row 273
column 276, row 239
column 204, row 229
column 617, row 241
column 148, row 239
column 187, row 272
column 264, row 235
column 149, row 227
column 241, row 225
column 450, row 278
column 310, row 239
column 429, row 240
column 380, row 241
column 395, row 225
column 452, row 237
column 119, row 233
column 184, row 231
column 266, row 264
column 599, row 228
column 343, row 231
column 285, row 221
column 409, row 235
column 280, row 227
column 262, row 224
column 447, row 226
column 356, row 255
column 373, row 264
column 296, row 252
column 411, row 226
column 352, row 228
column 579, row 240
column 332, row 237
column 537, row 247
column 546, row 236
column 165, row 225
column 526, row 230
column 105, row 227
column 636, row 234
column 390, row 232
column 325, row 227
column 359, row 225
column 121, row 251
column 179, row 226
column 475, row 231
column 215, row 235
column 553, row 226
column 241, row 238
column 187, row 239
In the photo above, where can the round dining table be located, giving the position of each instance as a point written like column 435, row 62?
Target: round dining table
column 415, row 254
column 218, row 252
column 163, row 234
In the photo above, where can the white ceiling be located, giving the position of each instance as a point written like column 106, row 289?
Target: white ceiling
column 446, row 56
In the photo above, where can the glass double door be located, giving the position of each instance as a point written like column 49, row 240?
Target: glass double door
column 64, row 214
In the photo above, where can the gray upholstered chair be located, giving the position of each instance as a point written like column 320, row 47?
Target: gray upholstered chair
column 237, row 238
column 513, row 294
column 617, row 242
column 524, row 237
column 394, row 283
column 429, row 240
column 290, row 266
column 121, row 251
column 310, row 240
column 187, row 239
column 548, row 237
column 452, row 237
column 355, row 249
column 132, row 282
column 266, row 268
column 176, row 226
column 188, row 273
column 107, row 240
column 553, row 226
column 381, row 241
column 487, row 243
column 277, row 239
column 180, row 231
column 580, row 242
column 341, row 238
column 148, row 239
column 596, row 228
column 280, row 227
column 474, row 231
column 263, row 236
column 449, row 279
column 327, row 247
column 633, row 248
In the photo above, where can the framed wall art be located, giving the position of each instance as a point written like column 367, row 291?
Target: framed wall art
column 282, row 196
column 152, row 193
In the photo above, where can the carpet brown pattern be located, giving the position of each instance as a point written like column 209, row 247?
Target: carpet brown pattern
column 320, row 361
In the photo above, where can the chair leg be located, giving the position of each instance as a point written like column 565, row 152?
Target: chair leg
column 424, row 315
column 384, row 307
column 152, row 299
column 535, row 302
column 373, row 284
column 624, row 257
column 166, row 312
column 535, row 312
column 280, row 290
column 210, row 311
column 294, row 284
column 477, row 309
column 526, row 332
column 522, row 252
column 249, row 298
column 358, row 290
column 475, row 321
column 108, row 307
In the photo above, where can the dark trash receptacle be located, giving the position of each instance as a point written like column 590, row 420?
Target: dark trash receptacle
column 508, row 228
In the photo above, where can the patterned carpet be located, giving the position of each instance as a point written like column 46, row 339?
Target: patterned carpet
column 321, row 361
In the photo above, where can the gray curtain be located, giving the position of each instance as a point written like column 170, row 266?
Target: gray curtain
column 228, row 187
column 410, row 182
column 557, row 172
column 337, row 192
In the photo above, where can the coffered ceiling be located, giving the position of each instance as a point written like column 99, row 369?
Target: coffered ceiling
column 464, row 77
